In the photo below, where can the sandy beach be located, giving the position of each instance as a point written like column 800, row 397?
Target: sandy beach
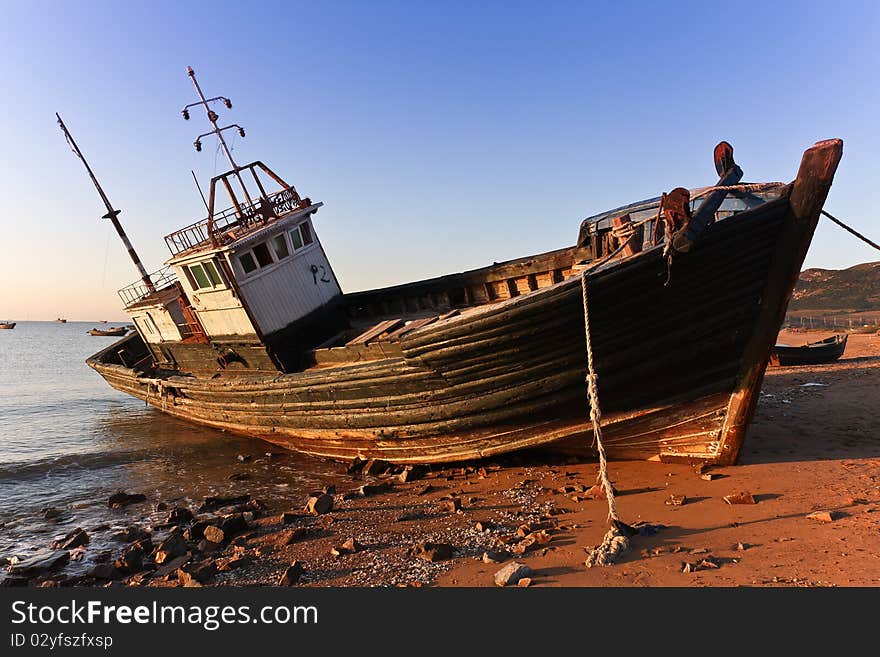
column 812, row 449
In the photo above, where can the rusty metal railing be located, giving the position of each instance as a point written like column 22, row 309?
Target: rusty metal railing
column 230, row 225
column 138, row 290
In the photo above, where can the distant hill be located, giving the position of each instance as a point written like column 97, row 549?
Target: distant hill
column 853, row 289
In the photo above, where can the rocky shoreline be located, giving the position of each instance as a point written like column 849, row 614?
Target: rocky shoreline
column 802, row 508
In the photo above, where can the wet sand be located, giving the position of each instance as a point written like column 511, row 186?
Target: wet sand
column 812, row 448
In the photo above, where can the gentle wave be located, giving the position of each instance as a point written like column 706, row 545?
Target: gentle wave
column 67, row 462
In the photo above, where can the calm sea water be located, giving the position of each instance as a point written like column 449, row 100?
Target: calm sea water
column 68, row 440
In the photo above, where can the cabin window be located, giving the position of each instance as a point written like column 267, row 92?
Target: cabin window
column 301, row 236
column 248, row 264
column 279, row 245
column 213, row 276
column 201, row 277
column 263, row 256
column 189, row 277
column 295, row 239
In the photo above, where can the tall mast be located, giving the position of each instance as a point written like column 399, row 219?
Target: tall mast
column 112, row 215
column 212, row 117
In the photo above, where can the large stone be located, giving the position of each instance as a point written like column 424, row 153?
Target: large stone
column 171, row 547
column 214, row 534
column 40, row 563
column 196, row 531
column 133, row 533
column 212, row 503
column 512, row 573
column 77, row 538
column 131, row 561
column 178, row 516
column 432, row 551
column 201, row 571
column 320, row 504
column 291, row 574
column 449, row 506
column 373, row 489
column 233, row 524
column 375, row 467
column 742, row 497
column 411, row 473
column 121, row 499
column 171, row 566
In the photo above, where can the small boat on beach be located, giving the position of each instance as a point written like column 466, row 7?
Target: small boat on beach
column 7, row 325
column 679, row 297
column 813, row 353
column 114, row 331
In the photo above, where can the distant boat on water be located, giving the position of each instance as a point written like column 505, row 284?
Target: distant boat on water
column 115, row 331
column 61, row 320
column 7, row 325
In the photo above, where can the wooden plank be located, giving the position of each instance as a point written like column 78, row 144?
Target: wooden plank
column 376, row 331
column 410, row 326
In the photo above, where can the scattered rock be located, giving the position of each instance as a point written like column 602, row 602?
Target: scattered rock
column 232, row 563
column 290, row 536
column 742, row 497
column 10, row 581
column 131, row 561
column 178, row 516
column 171, row 547
column 74, row 539
column 676, row 500
column 121, row 499
column 483, row 473
column 196, row 531
column 245, row 458
column 709, row 563
column 424, row 490
column 166, row 569
column 213, row 503
column 131, row 534
column 291, row 574
column 214, row 534
column 484, row 526
column 356, row 466
column 409, row 515
column 200, row 572
column 39, row 563
column 742, row 547
column 597, row 492
column 411, row 473
column 512, row 573
column 374, row 489
column 823, row 516
column 349, row 547
column 290, row 516
column 51, row 513
column 524, row 582
column 432, row 551
column 494, row 557
column 319, row 505
column 161, row 506
column 449, row 506
column 375, row 467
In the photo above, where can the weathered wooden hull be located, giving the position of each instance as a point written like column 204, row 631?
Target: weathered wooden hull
column 680, row 352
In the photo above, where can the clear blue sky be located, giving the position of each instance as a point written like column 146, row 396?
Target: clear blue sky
column 441, row 136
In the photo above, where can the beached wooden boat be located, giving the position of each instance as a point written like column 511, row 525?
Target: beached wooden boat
column 115, row 331
column 7, row 325
column 813, row 353
column 247, row 329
